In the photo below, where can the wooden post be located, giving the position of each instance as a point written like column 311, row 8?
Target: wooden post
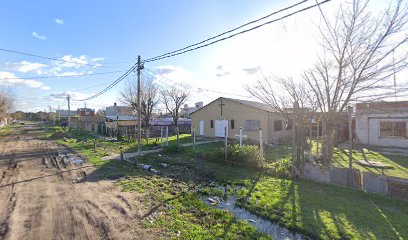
column 167, row 135
column 261, row 147
column 350, row 128
column 178, row 134
column 94, row 145
column 161, row 136
column 194, row 139
column 310, row 139
column 226, row 144
column 121, row 155
column 317, row 138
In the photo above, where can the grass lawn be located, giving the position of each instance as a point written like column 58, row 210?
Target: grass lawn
column 317, row 210
column 105, row 147
column 6, row 130
column 398, row 163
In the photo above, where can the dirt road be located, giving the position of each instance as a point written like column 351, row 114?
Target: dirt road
column 39, row 199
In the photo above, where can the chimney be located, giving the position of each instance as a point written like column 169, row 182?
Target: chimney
column 114, row 104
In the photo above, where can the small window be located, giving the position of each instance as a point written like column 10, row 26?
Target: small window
column 232, row 124
column 277, row 125
column 289, row 124
column 211, row 123
column 252, row 125
column 393, row 129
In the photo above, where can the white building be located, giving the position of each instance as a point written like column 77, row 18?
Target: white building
column 116, row 110
column 382, row 124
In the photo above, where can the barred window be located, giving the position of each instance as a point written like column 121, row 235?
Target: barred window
column 277, row 125
column 252, row 125
column 393, row 129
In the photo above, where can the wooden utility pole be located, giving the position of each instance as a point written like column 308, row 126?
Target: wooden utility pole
column 59, row 115
column 226, row 144
column 69, row 111
column 261, row 147
column 350, row 128
column 139, row 108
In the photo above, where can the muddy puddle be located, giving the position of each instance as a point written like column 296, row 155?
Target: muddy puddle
column 273, row 229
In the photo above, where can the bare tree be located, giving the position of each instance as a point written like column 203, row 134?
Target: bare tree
column 357, row 64
column 149, row 97
column 6, row 100
column 173, row 99
column 357, row 61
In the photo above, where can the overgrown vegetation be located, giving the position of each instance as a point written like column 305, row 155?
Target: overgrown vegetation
column 314, row 209
column 6, row 130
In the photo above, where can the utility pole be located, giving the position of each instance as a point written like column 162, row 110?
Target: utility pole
column 59, row 115
column 69, row 111
column 139, row 108
column 350, row 128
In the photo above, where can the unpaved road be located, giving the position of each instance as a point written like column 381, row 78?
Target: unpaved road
column 42, row 200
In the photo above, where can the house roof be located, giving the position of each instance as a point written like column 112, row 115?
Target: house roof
column 121, row 118
column 383, row 107
column 253, row 104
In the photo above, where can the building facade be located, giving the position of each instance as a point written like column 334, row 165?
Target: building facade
column 382, row 124
column 227, row 116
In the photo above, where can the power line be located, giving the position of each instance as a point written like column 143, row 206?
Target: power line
column 224, row 33
column 163, row 56
column 50, row 58
column 114, row 83
column 161, row 76
column 188, row 49
column 63, row 76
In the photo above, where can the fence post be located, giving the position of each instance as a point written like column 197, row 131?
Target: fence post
column 194, row 139
column 161, row 136
column 178, row 133
column 167, row 135
column 94, row 145
column 226, row 144
column 261, row 146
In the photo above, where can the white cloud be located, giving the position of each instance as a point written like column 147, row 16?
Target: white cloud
column 173, row 74
column 63, row 95
column 38, row 36
column 24, row 66
column 77, row 62
column 9, row 79
column 59, row 21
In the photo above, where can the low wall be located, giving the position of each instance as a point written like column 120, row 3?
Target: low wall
column 339, row 176
column 375, row 183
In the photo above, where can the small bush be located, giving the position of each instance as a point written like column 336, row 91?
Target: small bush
column 247, row 155
column 282, row 168
column 173, row 149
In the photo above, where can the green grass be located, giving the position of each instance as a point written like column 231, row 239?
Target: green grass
column 111, row 147
column 326, row 211
column 178, row 210
column 317, row 210
column 6, row 130
column 398, row 163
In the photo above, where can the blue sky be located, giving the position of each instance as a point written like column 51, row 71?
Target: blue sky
column 112, row 33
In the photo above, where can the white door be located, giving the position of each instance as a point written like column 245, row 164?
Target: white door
column 220, row 126
column 201, row 127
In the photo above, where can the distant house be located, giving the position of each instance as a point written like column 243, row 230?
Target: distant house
column 113, row 122
column 85, row 112
column 65, row 113
column 186, row 111
column 231, row 114
column 169, row 121
column 382, row 123
column 88, row 120
column 116, row 110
